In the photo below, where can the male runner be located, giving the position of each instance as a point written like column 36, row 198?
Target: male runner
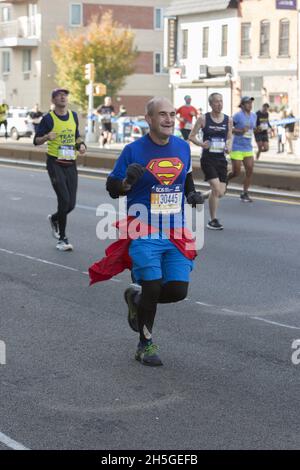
column 186, row 114
column 216, row 141
column 261, row 132
column 244, row 123
column 59, row 128
column 105, row 113
column 155, row 173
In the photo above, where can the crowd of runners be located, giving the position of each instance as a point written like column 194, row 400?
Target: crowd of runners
column 155, row 173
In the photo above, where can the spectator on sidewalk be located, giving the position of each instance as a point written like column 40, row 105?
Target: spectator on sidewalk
column 290, row 131
column 281, row 138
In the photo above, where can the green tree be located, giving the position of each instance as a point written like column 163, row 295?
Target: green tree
column 106, row 43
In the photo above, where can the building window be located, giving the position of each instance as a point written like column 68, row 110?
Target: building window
column 284, row 37
column 6, row 14
column 185, row 37
column 158, row 18
column 224, row 40
column 27, row 60
column 75, row 14
column 205, row 36
column 264, row 50
column 246, row 40
column 5, row 62
column 159, row 64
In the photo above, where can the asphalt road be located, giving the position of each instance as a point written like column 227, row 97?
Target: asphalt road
column 70, row 379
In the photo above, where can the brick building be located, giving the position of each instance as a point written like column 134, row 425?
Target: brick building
column 26, row 28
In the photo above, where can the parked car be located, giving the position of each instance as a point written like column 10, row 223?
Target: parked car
column 129, row 128
column 18, row 123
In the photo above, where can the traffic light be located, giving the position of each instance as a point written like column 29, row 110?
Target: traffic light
column 99, row 89
column 89, row 73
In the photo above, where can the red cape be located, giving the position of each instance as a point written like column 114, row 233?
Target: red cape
column 117, row 258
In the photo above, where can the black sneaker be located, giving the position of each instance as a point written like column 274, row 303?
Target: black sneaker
column 245, row 197
column 214, row 225
column 147, row 355
column 54, row 227
column 129, row 296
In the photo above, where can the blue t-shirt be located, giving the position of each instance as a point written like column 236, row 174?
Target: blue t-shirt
column 161, row 189
column 243, row 142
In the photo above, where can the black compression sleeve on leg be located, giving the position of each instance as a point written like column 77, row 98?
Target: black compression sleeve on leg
column 147, row 305
column 173, row 291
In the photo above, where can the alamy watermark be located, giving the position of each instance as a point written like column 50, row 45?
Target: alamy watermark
column 296, row 354
column 2, row 353
column 141, row 219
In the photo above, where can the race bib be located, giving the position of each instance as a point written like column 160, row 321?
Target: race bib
column 166, row 199
column 264, row 126
column 106, row 117
column 217, row 145
column 249, row 134
column 188, row 125
column 66, row 152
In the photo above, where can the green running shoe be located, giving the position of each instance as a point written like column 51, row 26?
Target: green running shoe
column 147, row 355
column 129, row 296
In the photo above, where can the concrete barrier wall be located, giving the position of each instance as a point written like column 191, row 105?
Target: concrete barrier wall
column 268, row 178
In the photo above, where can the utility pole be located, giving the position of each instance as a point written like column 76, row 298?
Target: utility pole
column 90, row 76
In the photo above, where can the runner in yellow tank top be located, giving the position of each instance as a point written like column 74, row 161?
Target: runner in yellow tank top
column 59, row 129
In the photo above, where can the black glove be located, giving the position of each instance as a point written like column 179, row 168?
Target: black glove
column 134, row 172
column 194, row 198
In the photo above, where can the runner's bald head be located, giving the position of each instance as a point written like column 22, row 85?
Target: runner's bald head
column 155, row 103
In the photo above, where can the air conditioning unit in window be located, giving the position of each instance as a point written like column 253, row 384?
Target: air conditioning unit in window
column 203, row 71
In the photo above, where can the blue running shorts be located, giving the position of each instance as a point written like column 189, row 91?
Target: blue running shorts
column 159, row 258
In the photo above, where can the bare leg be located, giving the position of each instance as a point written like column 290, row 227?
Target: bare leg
column 248, row 164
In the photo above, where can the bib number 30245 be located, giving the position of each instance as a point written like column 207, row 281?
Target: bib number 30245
column 166, row 199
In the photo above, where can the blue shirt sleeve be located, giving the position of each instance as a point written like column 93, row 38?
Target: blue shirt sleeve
column 45, row 126
column 119, row 170
column 235, row 119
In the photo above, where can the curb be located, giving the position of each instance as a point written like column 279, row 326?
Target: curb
column 261, row 192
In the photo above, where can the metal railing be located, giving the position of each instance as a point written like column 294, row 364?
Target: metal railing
column 24, row 27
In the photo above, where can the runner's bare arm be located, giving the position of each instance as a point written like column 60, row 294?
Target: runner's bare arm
column 200, row 124
column 45, row 138
column 229, row 135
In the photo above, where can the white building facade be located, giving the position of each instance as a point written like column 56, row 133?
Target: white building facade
column 202, row 50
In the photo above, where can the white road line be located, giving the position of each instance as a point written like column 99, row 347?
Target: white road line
column 232, row 311
column 276, row 323
column 8, row 442
column 32, row 258
column 205, row 305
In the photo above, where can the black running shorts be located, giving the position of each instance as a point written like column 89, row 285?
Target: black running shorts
column 106, row 126
column 214, row 168
column 261, row 137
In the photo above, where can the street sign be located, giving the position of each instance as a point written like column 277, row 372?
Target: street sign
column 99, row 89
column 89, row 89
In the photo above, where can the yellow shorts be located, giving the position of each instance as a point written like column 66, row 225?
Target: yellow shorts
column 240, row 155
